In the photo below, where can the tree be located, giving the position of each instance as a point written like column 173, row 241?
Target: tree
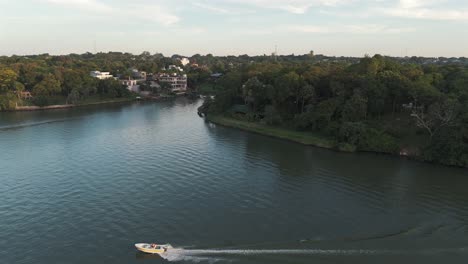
column 73, row 97
column 71, row 81
column 307, row 93
column 355, row 108
column 48, row 86
column 438, row 115
column 254, row 93
column 7, row 79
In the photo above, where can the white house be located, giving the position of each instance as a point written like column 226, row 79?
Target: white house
column 101, row 75
column 174, row 67
column 131, row 85
column 178, row 82
column 184, row 61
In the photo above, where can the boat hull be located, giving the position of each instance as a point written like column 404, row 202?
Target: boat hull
column 146, row 248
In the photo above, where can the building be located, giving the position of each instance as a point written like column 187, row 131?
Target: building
column 101, row 75
column 184, row 61
column 131, row 85
column 141, row 75
column 26, row 95
column 175, row 67
column 178, row 82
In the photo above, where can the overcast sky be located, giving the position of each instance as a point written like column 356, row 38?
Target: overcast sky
column 222, row 27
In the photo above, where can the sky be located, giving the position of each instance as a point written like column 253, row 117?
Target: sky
column 430, row 28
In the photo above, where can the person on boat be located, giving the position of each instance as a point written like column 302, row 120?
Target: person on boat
column 153, row 245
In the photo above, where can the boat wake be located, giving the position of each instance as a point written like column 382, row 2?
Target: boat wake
column 180, row 254
column 213, row 255
column 32, row 124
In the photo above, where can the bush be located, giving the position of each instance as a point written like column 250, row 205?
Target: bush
column 377, row 141
column 352, row 132
column 8, row 101
column 41, row 101
column 367, row 139
column 447, row 147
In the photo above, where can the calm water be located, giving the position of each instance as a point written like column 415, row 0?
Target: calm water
column 83, row 185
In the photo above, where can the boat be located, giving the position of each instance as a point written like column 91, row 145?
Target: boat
column 152, row 248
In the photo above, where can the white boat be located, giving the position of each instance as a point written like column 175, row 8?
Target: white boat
column 152, row 248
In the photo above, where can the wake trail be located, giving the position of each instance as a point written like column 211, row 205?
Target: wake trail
column 179, row 254
column 32, row 124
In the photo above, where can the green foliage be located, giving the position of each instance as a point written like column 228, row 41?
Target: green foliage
column 448, row 147
column 355, row 109
column 376, row 105
column 8, row 101
column 372, row 104
column 7, row 79
column 272, row 116
column 47, row 87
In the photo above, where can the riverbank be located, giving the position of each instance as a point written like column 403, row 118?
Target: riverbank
column 65, row 106
column 305, row 138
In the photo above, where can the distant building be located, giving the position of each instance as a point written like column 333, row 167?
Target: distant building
column 25, row 95
column 178, row 82
column 131, row 85
column 138, row 74
column 101, row 75
column 216, row 75
column 184, row 61
column 175, row 67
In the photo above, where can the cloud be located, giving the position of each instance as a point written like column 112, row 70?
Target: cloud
column 354, row 29
column 91, row 5
column 291, row 6
column 153, row 12
column 148, row 12
column 427, row 9
column 212, row 8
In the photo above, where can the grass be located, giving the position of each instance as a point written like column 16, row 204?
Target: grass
column 98, row 100
column 306, row 138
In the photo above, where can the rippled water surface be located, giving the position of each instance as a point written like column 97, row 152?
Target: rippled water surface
column 84, row 185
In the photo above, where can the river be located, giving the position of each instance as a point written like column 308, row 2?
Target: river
column 83, row 185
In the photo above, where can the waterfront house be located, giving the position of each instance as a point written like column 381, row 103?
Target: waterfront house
column 175, row 67
column 25, row 95
column 101, row 75
column 139, row 75
column 178, row 82
column 184, row 61
column 131, row 85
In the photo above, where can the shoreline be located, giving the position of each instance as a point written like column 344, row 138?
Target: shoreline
column 67, row 106
column 303, row 138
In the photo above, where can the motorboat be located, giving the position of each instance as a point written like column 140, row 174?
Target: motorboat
column 152, row 248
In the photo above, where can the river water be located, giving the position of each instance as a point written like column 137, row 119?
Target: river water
column 83, row 185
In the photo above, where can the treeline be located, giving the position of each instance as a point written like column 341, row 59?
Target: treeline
column 376, row 105
column 55, row 80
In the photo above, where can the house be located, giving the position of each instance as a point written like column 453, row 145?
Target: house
column 184, row 61
column 101, row 75
column 26, row 95
column 141, row 75
column 216, row 75
column 175, row 67
column 131, row 85
column 178, row 82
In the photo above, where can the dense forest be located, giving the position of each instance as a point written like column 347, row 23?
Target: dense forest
column 378, row 104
